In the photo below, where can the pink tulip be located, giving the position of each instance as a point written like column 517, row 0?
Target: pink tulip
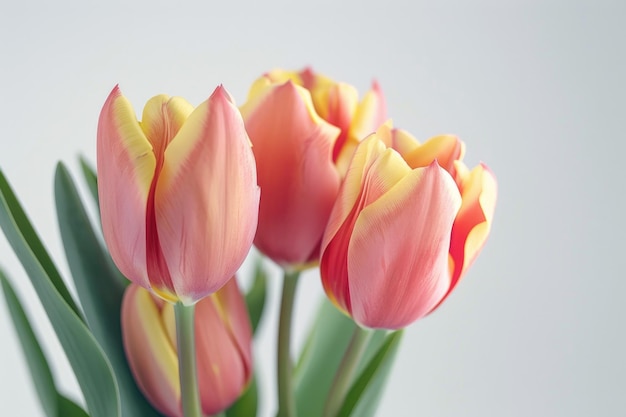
column 178, row 192
column 338, row 103
column 223, row 348
column 299, row 182
column 395, row 233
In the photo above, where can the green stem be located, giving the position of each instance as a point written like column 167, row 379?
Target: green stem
column 186, row 344
column 286, row 398
column 345, row 373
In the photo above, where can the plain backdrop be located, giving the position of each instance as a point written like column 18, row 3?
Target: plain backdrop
column 535, row 89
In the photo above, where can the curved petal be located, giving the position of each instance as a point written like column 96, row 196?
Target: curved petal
column 162, row 118
column 207, row 198
column 292, row 146
column 473, row 222
column 222, row 371
column 374, row 171
column 445, row 149
column 126, row 165
column 150, row 355
column 397, row 274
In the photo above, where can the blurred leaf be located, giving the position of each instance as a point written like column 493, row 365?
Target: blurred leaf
column 255, row 298
column 364, row 395
column 68, row 408
column 100, row 287
column 90, row 178
column 246, row 405
column 19, row 221
column 37, row 364
column 321, row 355
column 92, row 369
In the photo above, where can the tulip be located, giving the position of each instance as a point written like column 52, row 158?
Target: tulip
column 178, row 193
column 478, row 190
column 403, row 228
column 338, row 103
column 223, row 348
column 299, row 182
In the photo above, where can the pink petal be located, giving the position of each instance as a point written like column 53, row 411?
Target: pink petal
column 398, row 254
column 126, row 165
column 151, row 357
column 299, row 183
column 207, row 199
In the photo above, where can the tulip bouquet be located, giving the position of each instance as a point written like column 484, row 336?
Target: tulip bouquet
column 306, row 172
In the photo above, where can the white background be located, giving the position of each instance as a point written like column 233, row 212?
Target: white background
column 536, row 90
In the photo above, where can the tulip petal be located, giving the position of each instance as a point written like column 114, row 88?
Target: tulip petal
column 207, row 198
column 150, row 355
column 221, row 370
column 161, row 120
column 289, row 137
column 379, row 266
column 374, row 171
column 445, row 149
column 473, row 222
column 126, row 166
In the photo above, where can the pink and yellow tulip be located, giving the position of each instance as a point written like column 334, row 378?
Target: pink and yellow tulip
column 223, row 348
column 299, row 182
column 338, row 103
column 178, row 192
column 404, row 228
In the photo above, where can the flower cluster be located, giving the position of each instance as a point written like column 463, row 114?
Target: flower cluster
column 305, row 170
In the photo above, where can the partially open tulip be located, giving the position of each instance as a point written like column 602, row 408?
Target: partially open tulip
column 338, row 103
column 178, row 192
column 299, row 182
column 477, row 187
column 393, row 238
column 223, row 348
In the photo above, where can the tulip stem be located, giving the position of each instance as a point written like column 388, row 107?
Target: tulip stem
column 186, row 344
column 345, row 373
column 286, row 398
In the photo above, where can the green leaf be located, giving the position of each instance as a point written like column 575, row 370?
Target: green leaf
column 37, row 364
column 92, row 369
column 255, row 298
column 27, row 233
column 68, row 408
column 321, row 355
column 90, row 178
column 100, row 287
column 246, row 405
column 364, row 395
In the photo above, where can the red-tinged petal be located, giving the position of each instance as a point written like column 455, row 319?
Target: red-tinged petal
column 373, row 172
column 222, row 371
column 473, row 222
column 292, row 146
column 207, row 199
column 341, row 106
column 397, row 274
column 234, row 313
column 126, row 165
column 151, row 357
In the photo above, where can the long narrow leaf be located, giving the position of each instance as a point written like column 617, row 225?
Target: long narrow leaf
column 90, row 365
column 362, row 399
column 90, row 178
column 34, row 244
column 255, row 297
column 37, row 364
column 99, row 285
column 68, row 408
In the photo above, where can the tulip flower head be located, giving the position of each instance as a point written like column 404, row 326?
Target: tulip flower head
column 338, row 103
column 178, row 192
column 299, row 182
column 390, row 250
column 223, row 348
